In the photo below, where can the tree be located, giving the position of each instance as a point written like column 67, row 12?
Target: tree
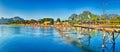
column 16, row 22
column 94, row 18
column 47, row 19
column 115, row 20
column 32, row 21
column 27, row 21
column 58, row 20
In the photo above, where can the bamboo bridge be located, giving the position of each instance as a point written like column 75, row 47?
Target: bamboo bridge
column 108, row 33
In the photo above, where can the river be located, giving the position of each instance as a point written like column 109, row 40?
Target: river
column 48, row 39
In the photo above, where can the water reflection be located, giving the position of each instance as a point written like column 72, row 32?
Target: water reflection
column 37, row 38
column 33, row 39
column 90, row 39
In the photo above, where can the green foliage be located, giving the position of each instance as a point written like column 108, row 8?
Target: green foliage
column 87, row 16
column 16, row 22
column 58, row 20
column 47, row 19
column 102, row 18
column 115, row 20
column 27, row 21
column 65, row 21
column 95, row 18
column 32, row 21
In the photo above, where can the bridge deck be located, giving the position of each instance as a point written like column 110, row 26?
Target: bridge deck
column 117, row 30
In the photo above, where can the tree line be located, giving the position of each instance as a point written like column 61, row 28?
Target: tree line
column 88, row 17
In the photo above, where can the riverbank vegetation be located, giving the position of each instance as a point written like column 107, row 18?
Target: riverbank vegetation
column 89, row 18
column 85, row 17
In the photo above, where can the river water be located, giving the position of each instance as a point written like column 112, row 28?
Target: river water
column 48, row 39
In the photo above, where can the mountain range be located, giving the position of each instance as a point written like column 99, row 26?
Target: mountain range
column 9, row 20
column 87, row 15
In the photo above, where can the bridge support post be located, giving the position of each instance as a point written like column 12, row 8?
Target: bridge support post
column 89, row 37
column 113, row 39
column 103, row 39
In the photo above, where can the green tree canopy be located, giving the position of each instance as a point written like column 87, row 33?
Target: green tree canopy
column 47, row 19
column 58, row 20
column 33, row 21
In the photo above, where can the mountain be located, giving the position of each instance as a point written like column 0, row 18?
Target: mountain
column 8, row 20
column 86, row 15
column 17, row 18
column 73, row 17
column 4, row 20
column 108, row 16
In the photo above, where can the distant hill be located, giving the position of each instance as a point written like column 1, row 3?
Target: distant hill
column 17, row 18
column 87, row 15
column 8, row 20
column 108, row 16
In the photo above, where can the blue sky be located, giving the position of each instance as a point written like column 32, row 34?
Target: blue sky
column 37, row 9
